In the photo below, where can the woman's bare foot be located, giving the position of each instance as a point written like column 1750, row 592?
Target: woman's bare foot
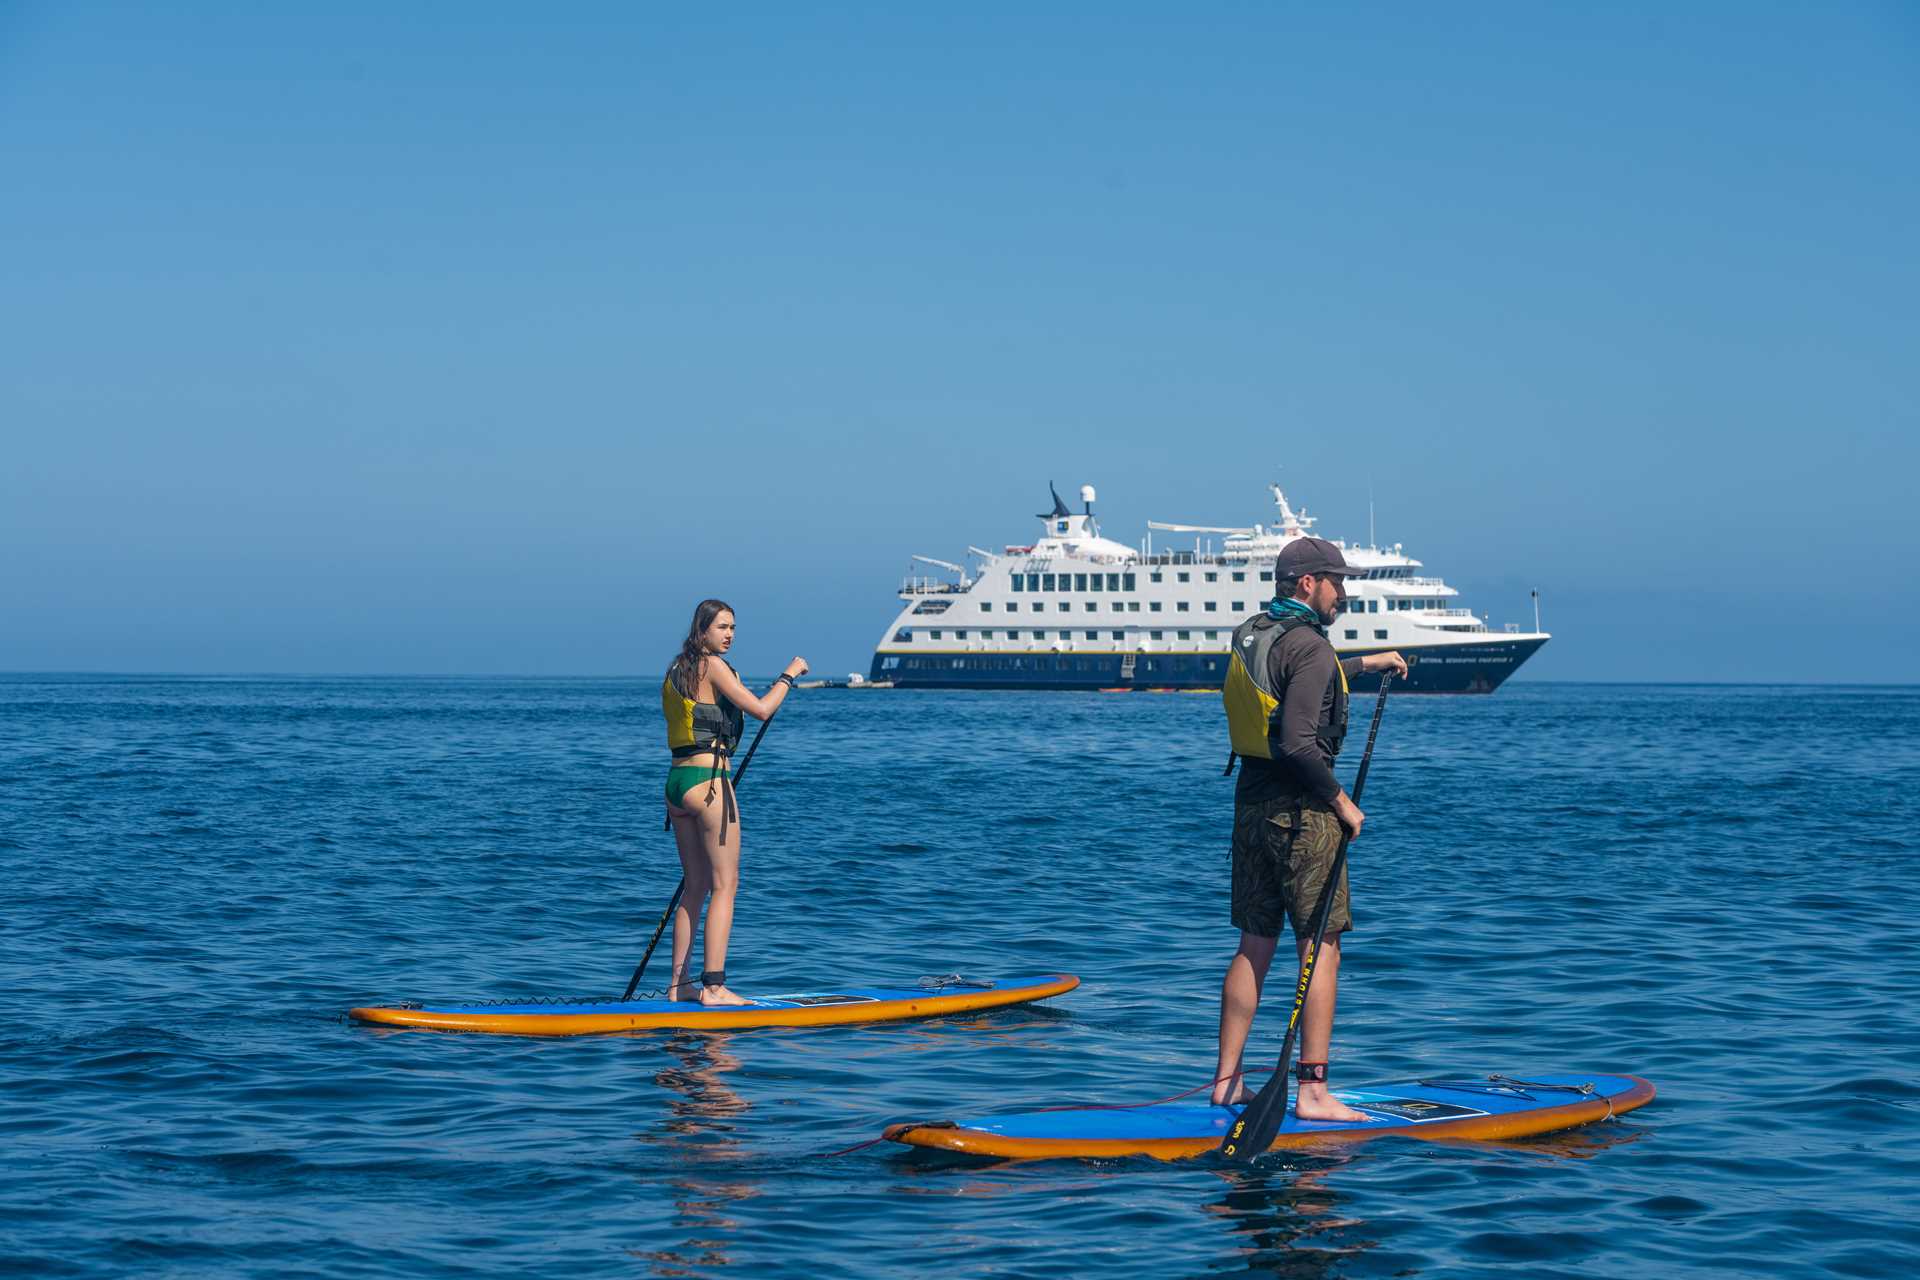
column 713, row 996
column 687, row 992
column 1316, row 1103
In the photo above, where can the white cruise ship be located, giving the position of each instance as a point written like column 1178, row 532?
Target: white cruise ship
column 1076, row 610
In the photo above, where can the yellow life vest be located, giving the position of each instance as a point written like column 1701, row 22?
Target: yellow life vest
column 1252, row 703
column 694, row 727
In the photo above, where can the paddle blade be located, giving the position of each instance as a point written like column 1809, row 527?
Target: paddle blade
column 1257, row 1126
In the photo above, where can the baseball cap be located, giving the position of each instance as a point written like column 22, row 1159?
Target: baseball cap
column 1310, row 555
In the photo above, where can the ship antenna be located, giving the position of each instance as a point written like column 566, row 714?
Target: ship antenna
column 1370, row 538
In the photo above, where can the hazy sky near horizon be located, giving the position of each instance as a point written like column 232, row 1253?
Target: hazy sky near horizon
column 463, row 339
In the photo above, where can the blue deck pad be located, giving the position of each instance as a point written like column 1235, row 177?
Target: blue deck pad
column 1394, row 1104
column 791, row 1000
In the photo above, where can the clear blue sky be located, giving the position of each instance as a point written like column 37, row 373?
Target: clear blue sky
column 466, row 338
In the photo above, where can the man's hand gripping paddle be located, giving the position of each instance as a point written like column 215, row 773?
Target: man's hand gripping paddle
column 1254, row 1129
column 681, row 888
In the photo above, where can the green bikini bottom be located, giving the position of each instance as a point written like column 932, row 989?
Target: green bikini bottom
column 682, row 778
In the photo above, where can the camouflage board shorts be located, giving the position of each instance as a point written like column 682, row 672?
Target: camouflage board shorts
column 1279, row 868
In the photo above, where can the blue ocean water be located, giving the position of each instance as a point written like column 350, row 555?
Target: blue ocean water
column 1711, row 887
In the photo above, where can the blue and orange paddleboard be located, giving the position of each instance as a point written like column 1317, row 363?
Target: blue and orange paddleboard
column 1474, row 1107
column 930, row 998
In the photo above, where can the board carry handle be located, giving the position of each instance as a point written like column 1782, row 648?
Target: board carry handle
column 1254, row 1129
column 738, row 775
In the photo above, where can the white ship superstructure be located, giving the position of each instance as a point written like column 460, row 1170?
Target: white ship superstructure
column 1078, row 610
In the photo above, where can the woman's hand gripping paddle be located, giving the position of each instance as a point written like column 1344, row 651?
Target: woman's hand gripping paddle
column 681, row 888
column 1254, row 1129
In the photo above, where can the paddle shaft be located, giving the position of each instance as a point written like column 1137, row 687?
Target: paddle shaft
column 1255, row 1127
column 681, row 888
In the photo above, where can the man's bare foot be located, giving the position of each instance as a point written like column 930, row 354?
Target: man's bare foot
column 715, row 996
column 1316, row 1103
column 1231, row 1092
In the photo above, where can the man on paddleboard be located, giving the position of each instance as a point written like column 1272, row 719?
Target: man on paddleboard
column 1286, row 698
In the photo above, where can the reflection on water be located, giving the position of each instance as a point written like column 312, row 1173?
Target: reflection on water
column 1286, row 1220
column 699, row 1129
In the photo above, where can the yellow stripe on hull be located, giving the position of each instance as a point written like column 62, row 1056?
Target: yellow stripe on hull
column 696, row 1018
column 1517, row 1124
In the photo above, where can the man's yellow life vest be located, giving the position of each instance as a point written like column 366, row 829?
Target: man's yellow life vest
column 1252, row 703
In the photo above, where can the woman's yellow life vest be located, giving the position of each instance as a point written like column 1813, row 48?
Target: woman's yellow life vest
column 1252, row 703
column 694, row 727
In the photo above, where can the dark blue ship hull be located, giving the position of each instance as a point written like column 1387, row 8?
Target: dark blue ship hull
column 1479, row 667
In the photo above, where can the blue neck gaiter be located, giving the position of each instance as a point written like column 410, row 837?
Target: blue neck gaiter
column 1281, row 610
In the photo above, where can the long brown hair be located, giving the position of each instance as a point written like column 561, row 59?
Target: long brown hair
column 691, row 661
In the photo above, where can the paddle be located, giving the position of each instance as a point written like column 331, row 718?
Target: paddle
column 681, row 888
column 1254, row 1129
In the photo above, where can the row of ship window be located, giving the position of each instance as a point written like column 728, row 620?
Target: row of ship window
column 1350, row 605
column 1113, row 581
column 1182, row 606
column 1125, row 581
column 905, row 635
column 1031, row 662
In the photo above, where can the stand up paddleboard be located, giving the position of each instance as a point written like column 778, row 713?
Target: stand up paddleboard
column 1477, row 1107
column 930, row 998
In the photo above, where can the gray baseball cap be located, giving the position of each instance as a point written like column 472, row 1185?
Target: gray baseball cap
column 1310, row 555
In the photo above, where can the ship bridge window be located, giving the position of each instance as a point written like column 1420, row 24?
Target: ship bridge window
column 903, row 636
column 933, row 635
column 1126, row 581
column 932, row 606
column 1046, row 582
column 1113, row 582
column 1079, row 581
column 1099, row 582
column 1018, row 580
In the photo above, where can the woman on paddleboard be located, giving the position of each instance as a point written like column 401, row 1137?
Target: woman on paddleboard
column 703, row 701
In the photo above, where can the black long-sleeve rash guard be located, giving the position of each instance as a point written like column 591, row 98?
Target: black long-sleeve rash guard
column 1301, row 663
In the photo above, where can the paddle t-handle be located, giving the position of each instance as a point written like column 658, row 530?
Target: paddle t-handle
column 1254, row 1129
